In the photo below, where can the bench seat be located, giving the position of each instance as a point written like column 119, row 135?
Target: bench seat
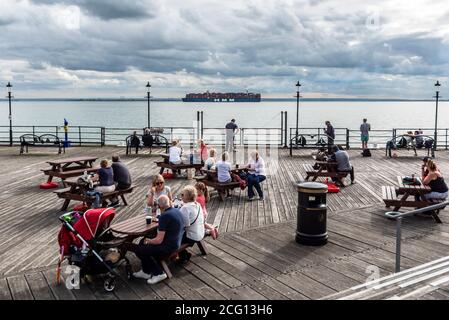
column 68, row 196
column 221, row 187
column 166, row 260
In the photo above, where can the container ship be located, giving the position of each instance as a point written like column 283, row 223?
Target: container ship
column 222, row 97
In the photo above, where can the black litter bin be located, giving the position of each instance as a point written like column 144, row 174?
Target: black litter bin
column 312, row 214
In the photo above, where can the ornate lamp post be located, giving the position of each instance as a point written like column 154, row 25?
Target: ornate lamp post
column 9, row 86
column 437, row 96
column 297, row 110
column 148, row 99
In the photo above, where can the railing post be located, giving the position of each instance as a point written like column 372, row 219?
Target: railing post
column 347, row 138
column 79, row 136
column 34, row 132
column 103, row 136
column 202, row 124
column 394, row 134
column 282, row 128
column 57, row 131
column 285, row 129
column 398, row 244
column 446, row 139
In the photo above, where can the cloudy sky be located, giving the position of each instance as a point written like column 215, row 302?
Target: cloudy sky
column 111, row 48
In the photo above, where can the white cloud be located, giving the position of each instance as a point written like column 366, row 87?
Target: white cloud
column 192, row 45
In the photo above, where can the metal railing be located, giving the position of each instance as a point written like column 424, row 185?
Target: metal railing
column 101, row 136
column 398, row 216
column 97, row 135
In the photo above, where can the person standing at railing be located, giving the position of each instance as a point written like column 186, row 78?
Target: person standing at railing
column 330, row 132
column 231, row 130
column 365, row 128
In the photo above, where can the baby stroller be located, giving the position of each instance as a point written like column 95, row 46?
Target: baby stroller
column 87, row 242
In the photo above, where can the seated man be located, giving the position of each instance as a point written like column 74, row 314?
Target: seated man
column 343, row 165
column 167, row 241
column 135, row 141
column 411, row 142
column 122, row 177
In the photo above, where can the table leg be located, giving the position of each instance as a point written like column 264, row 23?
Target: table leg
column 50, row 178
column 65, row 205
column 402, row 200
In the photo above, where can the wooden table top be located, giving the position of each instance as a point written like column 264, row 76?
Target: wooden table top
column 409, row 187
column 136, row 226
column 71, row 160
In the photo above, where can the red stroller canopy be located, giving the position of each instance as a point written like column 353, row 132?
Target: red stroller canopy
column 94, row 220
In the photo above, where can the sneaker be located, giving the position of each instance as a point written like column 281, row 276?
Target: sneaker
column 251, row 199
column 157, row 279
column 260, row 198
column 141, row 275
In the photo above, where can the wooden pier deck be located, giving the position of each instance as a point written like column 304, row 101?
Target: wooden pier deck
column 255, row 256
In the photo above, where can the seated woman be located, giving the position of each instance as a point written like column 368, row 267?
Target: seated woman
column 175, row 152
column 224, row 173
column 157, row 189
column 105, row 177
column 209, row 164
column 202, row 199
column 193, row 217
column 435, row 180
column 256, row 175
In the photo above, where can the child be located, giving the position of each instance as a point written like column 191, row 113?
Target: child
column 202, row 199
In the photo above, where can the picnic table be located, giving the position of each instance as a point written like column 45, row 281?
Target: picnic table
column 137, row 227
column 165, row 164
column 398, row 196
column 78, row 191
column 323, row 169
column 70, row 167
column 210, row 179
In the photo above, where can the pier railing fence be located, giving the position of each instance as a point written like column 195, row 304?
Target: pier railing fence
column 101, row 136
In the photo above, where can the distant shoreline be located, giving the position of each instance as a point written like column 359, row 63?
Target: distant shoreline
column 187, row 103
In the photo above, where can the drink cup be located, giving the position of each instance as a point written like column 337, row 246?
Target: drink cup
column 149, row 219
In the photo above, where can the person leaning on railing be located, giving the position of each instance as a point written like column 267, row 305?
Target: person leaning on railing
column 435, row 180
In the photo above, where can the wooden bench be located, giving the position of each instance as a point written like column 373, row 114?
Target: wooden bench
column 45, row 140
column 68, row 195
column 312, row 172
column 210, row 179
column 391, row 198
column 145, row 141
column 68, row 174
column 166, row 260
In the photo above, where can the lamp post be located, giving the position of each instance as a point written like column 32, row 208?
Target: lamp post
column 437, row 96
column 148, row 98
column 9, row 86
column 297, row 110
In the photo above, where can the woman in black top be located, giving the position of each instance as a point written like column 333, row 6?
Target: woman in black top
column 435, row 181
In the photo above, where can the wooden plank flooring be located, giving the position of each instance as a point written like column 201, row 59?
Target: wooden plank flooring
column 255, row 257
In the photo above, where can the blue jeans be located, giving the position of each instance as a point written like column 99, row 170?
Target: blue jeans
column 97, row 195
column 254, row 181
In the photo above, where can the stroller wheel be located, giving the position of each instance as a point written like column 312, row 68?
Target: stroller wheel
column 109, row 284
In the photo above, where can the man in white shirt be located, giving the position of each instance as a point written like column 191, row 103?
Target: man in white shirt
column 256, row 175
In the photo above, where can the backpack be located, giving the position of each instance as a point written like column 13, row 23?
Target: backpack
column 428, row 144
column 366, row 153
column 402, row 143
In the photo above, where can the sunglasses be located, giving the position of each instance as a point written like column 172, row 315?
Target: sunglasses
column 159, row 183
